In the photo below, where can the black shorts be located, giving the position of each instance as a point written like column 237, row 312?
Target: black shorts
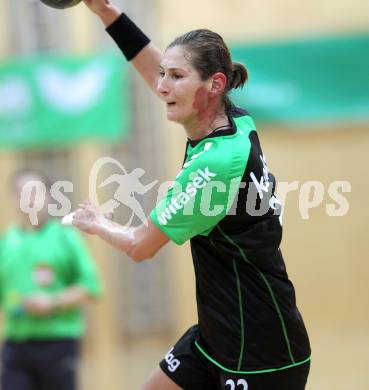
column 189, row 369
column 39, row 365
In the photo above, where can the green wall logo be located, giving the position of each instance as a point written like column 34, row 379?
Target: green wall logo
column 55, row 101
column 72, row 92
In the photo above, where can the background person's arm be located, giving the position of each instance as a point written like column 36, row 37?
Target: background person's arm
column 147, row 61
column 44, row 304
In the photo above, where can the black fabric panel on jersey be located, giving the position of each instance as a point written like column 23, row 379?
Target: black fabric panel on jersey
column 246, row 304
column 236, row 112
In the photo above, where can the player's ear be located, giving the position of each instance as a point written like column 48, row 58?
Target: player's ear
column 218, row 83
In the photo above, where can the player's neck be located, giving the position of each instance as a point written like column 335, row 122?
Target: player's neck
column 198, row 129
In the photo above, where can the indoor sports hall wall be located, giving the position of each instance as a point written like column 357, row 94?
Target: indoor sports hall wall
column 146, row 307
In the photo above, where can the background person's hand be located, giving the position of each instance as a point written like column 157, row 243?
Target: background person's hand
column 38, row 304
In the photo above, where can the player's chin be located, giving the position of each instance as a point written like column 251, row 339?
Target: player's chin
column 173, row 114
column 173, row 117
column 176, row 117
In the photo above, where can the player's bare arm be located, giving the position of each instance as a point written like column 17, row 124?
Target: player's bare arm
column 147, row 61
column 139, row 243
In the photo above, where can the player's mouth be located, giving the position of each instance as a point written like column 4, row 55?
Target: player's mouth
column 171, row 104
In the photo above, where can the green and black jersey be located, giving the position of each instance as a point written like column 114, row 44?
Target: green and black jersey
column 223, row 201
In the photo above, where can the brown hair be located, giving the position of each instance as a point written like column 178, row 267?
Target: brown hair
column 24, row 172
column 208, row 55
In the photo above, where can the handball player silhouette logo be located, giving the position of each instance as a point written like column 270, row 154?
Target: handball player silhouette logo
column 60, row 4
column 128, row 185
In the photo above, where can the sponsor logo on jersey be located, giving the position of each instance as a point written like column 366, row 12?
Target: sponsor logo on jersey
column 202, row 178
column 263, row 186
column 172, row 362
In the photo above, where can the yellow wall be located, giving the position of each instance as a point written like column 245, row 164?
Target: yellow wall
column 326, row 256
column 3, row 27
column 263, row 19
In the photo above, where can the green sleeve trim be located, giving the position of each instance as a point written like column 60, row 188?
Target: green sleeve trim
column 276, row 305
column 249, row 372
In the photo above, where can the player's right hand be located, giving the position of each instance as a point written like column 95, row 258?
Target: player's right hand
column 88, row 218
column 98, row 6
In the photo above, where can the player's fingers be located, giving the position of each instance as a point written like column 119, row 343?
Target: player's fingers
column 109, row 214
column 82, row 212
column 87, row 205
column 84, row 203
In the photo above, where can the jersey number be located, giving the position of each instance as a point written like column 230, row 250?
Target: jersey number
column 240, row 382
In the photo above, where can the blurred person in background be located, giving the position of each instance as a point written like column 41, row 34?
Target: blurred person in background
column 46, row 277
column 250, row 334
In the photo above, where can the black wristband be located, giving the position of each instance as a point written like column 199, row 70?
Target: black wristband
column 129, row 38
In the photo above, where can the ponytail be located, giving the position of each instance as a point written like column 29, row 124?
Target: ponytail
column 239, row 75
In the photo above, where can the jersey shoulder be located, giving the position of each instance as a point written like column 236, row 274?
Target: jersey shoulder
column 226, row 154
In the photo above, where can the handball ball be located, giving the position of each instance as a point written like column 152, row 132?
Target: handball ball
column 60, row 3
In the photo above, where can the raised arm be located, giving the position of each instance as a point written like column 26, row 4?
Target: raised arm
column 136, row 46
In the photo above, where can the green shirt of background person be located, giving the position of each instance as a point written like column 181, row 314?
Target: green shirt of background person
column 46, row 273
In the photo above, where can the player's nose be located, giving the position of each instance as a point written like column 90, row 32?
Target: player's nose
column 162, row 86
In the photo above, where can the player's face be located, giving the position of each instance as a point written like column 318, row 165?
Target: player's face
column 179, row 86
column 31, row 196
